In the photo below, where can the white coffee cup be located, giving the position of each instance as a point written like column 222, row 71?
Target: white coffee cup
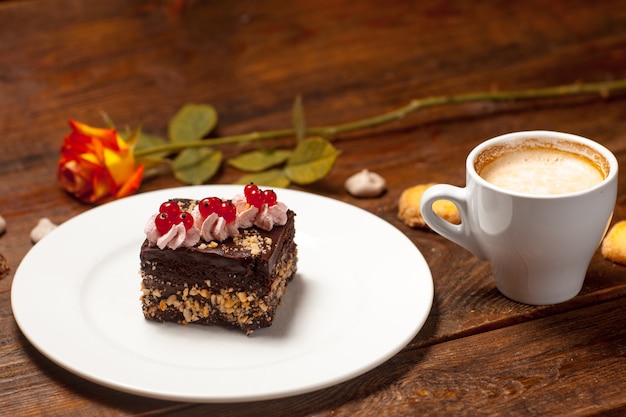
column 539, row 245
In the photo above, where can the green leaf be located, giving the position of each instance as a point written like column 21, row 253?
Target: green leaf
column 154, row 167
column 152, row 161
column 196, row 165
column 271, row 178
column 259, row 160
column 192, row 122
column 311, row 161
column 147, row 141
column 299, row 121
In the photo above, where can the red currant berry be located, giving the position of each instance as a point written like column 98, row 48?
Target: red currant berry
column 270, row 197
column 228, row 211
column 249, row 188
column 170, row 207
column 255, row 198
column 209, row 205
column 186, row 219
column 163, row 223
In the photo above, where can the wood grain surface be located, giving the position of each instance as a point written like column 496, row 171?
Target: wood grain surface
column 140, row 60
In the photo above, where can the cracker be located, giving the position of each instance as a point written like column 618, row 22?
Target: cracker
column 4, row 266
column 409, row 207
column 614, row 243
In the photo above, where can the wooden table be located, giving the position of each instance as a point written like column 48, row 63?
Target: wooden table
column 140, row 60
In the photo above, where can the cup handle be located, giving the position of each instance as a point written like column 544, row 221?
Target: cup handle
column 460, row 234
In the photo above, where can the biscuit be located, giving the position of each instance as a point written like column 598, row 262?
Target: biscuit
column 614, row 243
column 409, row 208
column 4, row 266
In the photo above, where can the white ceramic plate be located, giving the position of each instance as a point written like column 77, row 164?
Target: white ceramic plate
column 362, row 292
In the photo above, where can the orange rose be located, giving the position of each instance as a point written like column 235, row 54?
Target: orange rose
column 97, row 165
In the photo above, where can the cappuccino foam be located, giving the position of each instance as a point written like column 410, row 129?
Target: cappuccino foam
column 541, row 171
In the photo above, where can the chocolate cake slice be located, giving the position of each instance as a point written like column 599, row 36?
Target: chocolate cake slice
column 237, row 282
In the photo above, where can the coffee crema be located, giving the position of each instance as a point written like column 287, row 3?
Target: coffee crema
column 540, row 170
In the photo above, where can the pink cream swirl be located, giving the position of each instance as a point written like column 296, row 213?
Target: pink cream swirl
column 174, row 238
column 213, row 227
column 265, row 218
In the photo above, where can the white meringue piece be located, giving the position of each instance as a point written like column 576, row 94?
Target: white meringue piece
column 366, row 184
column 44, row 226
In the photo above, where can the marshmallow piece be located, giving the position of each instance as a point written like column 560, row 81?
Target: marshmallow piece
column 3, row 225
column 365, row 184
column 44, row 226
